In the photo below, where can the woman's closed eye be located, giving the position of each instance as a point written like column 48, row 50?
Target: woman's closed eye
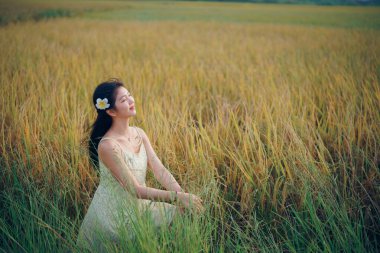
column 129, row 95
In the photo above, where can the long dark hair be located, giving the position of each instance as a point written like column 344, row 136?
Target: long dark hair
column 103, row 121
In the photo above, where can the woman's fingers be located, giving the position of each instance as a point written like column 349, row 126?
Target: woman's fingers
column 196, row 202
column 200, row 207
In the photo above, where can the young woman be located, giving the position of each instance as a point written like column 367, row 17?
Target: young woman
column 122, row 154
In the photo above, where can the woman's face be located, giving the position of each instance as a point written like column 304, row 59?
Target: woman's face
column 125, row 103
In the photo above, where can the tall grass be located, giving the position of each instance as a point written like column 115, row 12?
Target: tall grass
column 276, row 127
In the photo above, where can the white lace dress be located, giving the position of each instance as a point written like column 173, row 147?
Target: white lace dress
column 112, row 212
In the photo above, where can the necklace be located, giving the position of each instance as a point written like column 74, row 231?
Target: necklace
column 136, row 138
column 129, row 138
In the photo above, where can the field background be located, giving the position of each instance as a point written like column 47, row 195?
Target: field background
column 269, row 112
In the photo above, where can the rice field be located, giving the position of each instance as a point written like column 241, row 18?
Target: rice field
column 270, row 113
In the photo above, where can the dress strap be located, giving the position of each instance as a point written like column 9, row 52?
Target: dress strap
column 138, row 132
column 108, row 138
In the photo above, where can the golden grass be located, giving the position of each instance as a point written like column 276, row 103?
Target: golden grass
column 265, row 109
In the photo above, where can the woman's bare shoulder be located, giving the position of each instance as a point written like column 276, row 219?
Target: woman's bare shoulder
column 107, row 147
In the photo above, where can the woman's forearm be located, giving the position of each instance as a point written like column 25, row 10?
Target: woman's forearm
column 168, row 181
column 144, row 192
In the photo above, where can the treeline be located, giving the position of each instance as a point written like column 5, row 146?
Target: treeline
column 317, row 2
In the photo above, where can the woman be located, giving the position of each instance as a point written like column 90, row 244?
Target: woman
column 122, row 153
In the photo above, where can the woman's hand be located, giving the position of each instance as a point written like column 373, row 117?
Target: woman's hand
column 189, row 200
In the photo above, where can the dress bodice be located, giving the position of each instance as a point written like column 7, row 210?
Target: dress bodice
column 136, row 163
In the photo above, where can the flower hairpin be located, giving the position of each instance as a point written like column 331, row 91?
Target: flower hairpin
column 102, row 104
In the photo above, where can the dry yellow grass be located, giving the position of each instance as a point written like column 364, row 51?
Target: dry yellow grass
column 263, row 108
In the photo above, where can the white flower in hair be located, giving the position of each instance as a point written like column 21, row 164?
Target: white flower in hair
column 102, row 104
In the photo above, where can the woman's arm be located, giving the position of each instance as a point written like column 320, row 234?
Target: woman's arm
column 162, row 174
column 110, row 153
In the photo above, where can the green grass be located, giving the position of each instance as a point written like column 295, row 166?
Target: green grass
column 35, row 220
column 345, row 17
column 24, row 10
column 308, row 15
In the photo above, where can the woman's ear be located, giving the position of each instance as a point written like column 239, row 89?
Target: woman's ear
column 111, row 112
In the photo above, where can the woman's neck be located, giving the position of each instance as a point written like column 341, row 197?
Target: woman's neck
column 120, row 127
